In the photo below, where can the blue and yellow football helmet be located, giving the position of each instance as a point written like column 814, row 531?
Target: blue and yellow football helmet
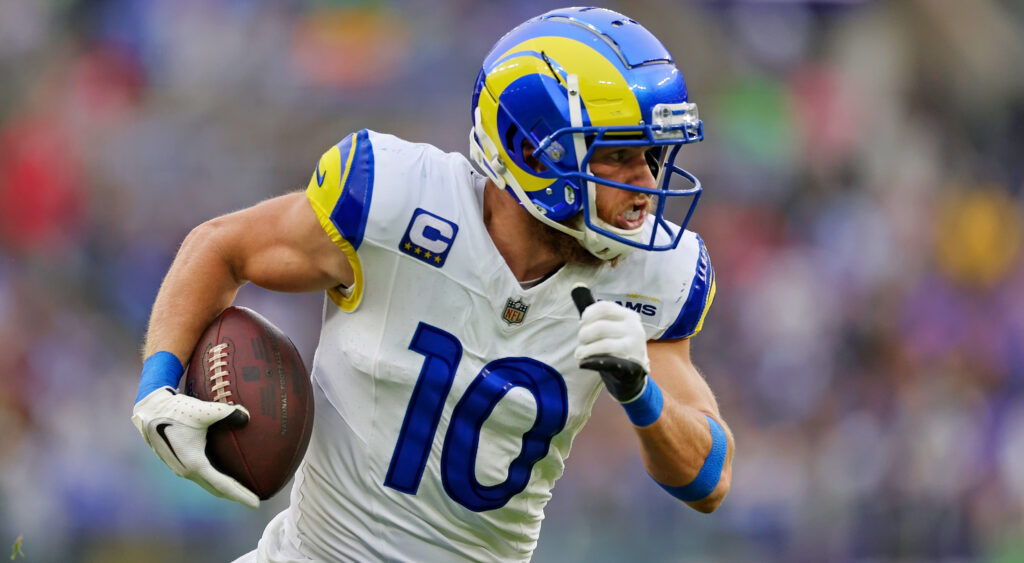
column 566, row 83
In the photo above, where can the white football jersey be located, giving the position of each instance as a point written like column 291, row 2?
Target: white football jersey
column 447, row 397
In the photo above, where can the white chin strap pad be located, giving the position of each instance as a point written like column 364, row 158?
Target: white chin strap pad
column 479, row 146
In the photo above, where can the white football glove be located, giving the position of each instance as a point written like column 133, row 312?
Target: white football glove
column 612, row 341
column 175, row 425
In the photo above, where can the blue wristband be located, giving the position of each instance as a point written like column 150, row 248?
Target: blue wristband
column 646, row 408
column 159, row 370
column 707, row 478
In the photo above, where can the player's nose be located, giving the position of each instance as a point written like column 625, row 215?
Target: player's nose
column 640, row 174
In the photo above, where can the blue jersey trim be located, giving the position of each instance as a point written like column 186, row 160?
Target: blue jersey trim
column 690, row 315
column 350, row 213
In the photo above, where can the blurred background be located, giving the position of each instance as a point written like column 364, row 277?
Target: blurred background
column 862, row 207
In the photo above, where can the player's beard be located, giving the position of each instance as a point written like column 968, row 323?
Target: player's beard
column 566, row 247
column 569, row 248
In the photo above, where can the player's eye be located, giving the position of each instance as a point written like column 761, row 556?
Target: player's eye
column 616, row 156
column 621, row 156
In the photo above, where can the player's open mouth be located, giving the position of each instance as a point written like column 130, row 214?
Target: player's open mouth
column 632, row 218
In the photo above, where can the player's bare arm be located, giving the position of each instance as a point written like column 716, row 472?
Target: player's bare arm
column 277, row 244
column 676, row 445
column 684, row 444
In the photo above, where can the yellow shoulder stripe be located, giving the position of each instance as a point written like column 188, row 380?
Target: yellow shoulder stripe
column 324, row 191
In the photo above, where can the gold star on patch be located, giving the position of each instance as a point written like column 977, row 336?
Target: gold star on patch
column 417, row 250
column 408, row 246
column 427, row 254
column 437, row 259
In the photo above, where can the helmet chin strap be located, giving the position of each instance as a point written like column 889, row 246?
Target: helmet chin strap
column 479, row 145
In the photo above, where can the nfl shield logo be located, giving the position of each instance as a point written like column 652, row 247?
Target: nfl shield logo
column 515, row 311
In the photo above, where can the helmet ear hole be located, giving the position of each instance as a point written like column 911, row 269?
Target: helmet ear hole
column 510, row 141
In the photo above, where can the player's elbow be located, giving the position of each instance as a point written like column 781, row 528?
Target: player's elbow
column 203, row 237
column 210, row 241
column 710, row 503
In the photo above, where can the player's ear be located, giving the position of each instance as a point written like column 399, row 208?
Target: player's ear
column 527, row 150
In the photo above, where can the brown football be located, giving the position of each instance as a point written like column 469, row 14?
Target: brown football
column 242, row 358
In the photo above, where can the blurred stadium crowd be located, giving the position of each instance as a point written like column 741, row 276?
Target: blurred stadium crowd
column 863, row 207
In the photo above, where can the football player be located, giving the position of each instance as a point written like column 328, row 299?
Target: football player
column 462, row 348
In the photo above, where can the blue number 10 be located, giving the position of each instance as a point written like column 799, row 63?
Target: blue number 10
column 442, row 352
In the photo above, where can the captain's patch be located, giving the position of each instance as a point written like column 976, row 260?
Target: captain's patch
column 428, row 238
